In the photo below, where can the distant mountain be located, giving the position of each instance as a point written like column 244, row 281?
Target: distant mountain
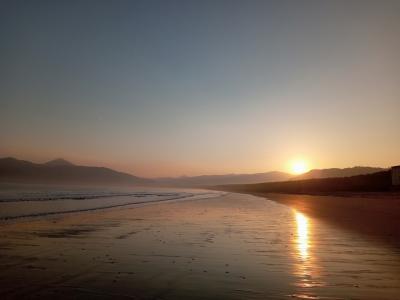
column 58, row 162
column 212, row 180
column 209, row 180
column 375, row 182
column 60, row 171
column 336, row 172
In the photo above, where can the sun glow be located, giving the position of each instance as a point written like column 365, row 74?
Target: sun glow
column 299, row 167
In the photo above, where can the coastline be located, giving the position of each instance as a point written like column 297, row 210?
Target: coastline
column 235, row 246
column 376, row 215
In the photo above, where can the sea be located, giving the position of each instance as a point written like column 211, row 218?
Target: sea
column 32, row 201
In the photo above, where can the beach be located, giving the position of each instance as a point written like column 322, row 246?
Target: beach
column 230, row 246
column 375, row 215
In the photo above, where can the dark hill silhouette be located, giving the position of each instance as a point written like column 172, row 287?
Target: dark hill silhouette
column 58, row 162
column 60, row 171
column 376, row 182
column 336, row 172
column 209, row 180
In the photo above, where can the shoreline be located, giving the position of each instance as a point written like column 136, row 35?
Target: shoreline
column 375, row 215
column 235, row 246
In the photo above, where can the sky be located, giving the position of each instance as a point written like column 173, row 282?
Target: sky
column 170, row 88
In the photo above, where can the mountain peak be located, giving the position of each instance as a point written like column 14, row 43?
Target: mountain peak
column 58, row 162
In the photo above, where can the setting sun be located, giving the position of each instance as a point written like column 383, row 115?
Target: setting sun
column 299, row 167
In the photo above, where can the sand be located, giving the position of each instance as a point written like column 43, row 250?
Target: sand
column 376, row 215
column 231, row 247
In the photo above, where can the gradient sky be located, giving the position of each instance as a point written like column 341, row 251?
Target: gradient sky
column 160, row 88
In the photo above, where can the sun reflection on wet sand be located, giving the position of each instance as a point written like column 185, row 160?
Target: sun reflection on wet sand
column 302, row 235
column 305, row 268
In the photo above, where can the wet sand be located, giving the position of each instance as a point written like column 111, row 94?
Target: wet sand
column 230, row 247
column 376, row 215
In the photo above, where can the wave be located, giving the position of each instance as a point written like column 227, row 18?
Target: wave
column 80, row 196
column 112, row 203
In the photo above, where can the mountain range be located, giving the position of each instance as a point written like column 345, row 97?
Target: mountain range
column 61, row 171
column 374, row 182
column 336, row 172
column 209, row 180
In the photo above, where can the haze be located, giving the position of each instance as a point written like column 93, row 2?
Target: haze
column 165, row 88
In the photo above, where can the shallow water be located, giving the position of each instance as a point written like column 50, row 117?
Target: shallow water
column 228, row 247
column 22, row 201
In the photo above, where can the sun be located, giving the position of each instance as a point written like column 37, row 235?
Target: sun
column 299, row 167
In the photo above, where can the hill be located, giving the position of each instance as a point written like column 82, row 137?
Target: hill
column 336, row 172
column 210, row 180
column 380, row 181
column 58, row 162
column 60, row 171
